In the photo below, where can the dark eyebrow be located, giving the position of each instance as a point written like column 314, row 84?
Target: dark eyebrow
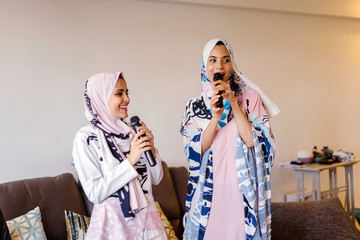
column 119, row 90
column 223, row 56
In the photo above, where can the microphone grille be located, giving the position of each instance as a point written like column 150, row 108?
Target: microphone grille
column 134, row 120
column 218, row 76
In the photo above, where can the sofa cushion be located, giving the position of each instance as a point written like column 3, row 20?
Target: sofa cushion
column 165, row 194
column 27, row 226
column 322, row 219
column 167, row 225
column 52, row 194
column 180, row 176
column 76, row 225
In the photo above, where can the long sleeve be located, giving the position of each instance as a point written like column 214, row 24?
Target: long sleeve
column 100, row 176
column 192, row 133
column 252, row 106
column 253, row 167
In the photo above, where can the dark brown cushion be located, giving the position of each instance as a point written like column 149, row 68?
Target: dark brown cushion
column 171, row 195
column 180, row 176
column 313, row 220
column 52, row 194
column 164, row 193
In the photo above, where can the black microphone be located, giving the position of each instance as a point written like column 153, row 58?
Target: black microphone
column 217, row 77
column 149, row 155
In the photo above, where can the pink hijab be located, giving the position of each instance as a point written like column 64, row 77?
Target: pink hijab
column 98, row 91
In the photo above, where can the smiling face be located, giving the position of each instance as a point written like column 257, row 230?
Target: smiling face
column 119, row 100
column 219, row 61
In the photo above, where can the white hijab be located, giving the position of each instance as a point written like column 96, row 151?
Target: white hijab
column 271, row 108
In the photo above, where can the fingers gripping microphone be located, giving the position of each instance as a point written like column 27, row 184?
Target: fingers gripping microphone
column 217, row 77
column 149, row 155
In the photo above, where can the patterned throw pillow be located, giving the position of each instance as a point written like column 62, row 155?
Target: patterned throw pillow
column 168, row 228
column 27, row 226
column 76, row 225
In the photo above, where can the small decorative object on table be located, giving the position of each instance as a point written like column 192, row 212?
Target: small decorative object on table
column 324, row 156
column 304, row 157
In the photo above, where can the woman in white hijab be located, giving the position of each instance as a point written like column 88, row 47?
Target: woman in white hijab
column 230, row 151
column 108, row 158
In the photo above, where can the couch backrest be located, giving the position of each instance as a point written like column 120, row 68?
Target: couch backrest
column 171, row 195
column 52, row 194
column 309, row 220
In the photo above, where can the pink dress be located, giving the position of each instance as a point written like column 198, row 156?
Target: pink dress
column 227, row 219
column 108, row 222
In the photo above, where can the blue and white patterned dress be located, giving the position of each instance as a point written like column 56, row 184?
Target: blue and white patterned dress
column 253, row 165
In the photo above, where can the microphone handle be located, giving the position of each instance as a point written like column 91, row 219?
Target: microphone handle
column 150, row 157
column 220, row 103
column 148, row 154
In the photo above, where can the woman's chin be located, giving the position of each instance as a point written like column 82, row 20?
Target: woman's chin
column 122, row 115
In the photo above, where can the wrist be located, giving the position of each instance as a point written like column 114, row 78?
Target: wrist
column 213, row 123
column 233, row 101
column 215, row 119
column 131, row 159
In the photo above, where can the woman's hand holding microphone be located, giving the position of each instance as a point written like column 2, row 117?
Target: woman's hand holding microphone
column 143, row 141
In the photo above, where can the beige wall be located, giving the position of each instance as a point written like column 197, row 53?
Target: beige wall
column 308, row 65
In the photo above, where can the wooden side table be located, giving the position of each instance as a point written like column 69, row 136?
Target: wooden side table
column 314, row 170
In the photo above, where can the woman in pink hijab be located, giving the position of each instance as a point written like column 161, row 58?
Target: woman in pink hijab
column 108, row 157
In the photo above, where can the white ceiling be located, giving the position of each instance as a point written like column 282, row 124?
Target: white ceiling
column 336, row 8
